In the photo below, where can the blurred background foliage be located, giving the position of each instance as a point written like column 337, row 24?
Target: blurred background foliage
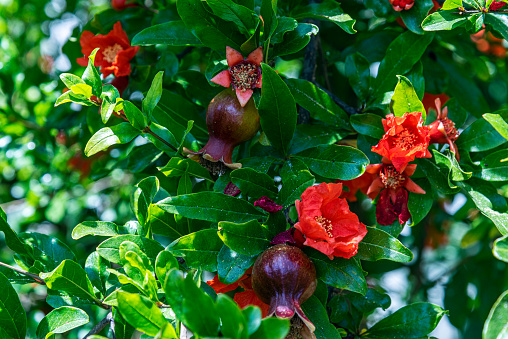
column 47, row 185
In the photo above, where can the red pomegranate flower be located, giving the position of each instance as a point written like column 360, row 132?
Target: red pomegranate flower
column 242, row 299
column 494, row 6
column 405, row 139
column 400, row 5
column 327, row 223
column 115, row 51
column 443, row 131
column 392, row 186
column 243, row 74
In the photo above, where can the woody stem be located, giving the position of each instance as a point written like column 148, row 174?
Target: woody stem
column 28, row 274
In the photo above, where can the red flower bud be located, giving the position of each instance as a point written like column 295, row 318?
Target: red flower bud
column 494, row 6
column 229, row 124
column 400, row 5
column 267, row 204
column 284, row 277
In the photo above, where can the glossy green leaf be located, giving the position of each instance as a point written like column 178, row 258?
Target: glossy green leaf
column 162, row 133
column 412, row 321
column 480, row 136
column 244, row 18
column 177, row 167
column 368, row 124
column 499, row 124
column 143, row 196
column 335, row 162
column 327, row 10
column 419, row 205
column 268, row 11
column 108, row 136
column 308, row 136
column 438, row 175
column 165, row 261
column 191, row 305
column 499, row 22
column 272, row 328
column 210, row 206
column 413, row 17
column 96, row 270
column 48, row 251
column 405, row 100
column 254, row 184
column 402, row 54
column 339, row 272
column 378, row 244
column 162, row 222
column 83, row 90
column 232, row 265
column 70, row 277
column 494, row 166
column 137, row 118
column 496, row 325
column 172, row 33
column 443, row 21
column 295, row 40
column 452, row 4
column 318, row 103
column 12, row 240
column 317, row 314
column 296, row 178
column 153, row 96
column 370, row 301
column 70, row 80
column 248, row 238
column 110, row 98
column 358, row 72
column 277, row 110
column 95, row 228
column 71, row 97
column 12, row 314
column 91, row 76
column 199, row 249
column 61, row 320
column 166, row 332
column 285, row 24
column 448, row 160
column 110, row 249
column 141, row 313
column 233, row 323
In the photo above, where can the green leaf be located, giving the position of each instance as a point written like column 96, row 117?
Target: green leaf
column 419, row 205
column 166, row 332
column 95, row 228
column 108, row 136
column 162, row 133
column 378, row 244
column 248, row 238
column 318, row 103
column 233, row 323
column 405, row 100
column 47, row 250
column 110, row 249
column 110, row 98
column 61, row 320
column 368, row 124
column 358, row 72
column 370, row 301
column 494, row 166
column 452, row 4
column 232, row 265
column 317, row 314
column 12, row 240
column 496, row 325
column 295, row 40
column 268, row 11
column 141, row 313
column 177, row 167
column 96, row 270
column 448, row 160
column 199, row 249
column 162, row 222
column 438, row 176
column 339, row 272
column 143, row 196
column 172, row 33
column 308, row 136
column 499, row 124
column 212, row 31
column 335, row 162
column 443, row 21
column 70, row 277
column 253, row 183
column 245, row 19
column 413, row 17
column 83, row 90
column 412, row 321
column 499, row 22
column 91, row 75
column 500, row 249
column 277, row 110
column 12, row 314
column 210, row 206
column 164, row 263
column 70, row 80
column 153, row 96
column 191, row 305
column 484, row 200
column 272, row 328
column 327, row 10
column 296, row 178
column 285, row 24
column 480, row 136
column 137, row 118
column 71, row 97
column 402, row 54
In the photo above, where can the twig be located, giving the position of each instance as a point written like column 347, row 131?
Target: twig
column 28, row 274
column 348, row 109
column 100, row 326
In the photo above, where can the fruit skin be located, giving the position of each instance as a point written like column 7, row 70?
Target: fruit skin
column 119, row 5
column 229, row 124
column 284, row 277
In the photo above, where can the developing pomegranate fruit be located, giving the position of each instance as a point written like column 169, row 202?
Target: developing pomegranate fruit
column 229, row 124
column 401, row 5
column 119, row 5
column 284, row 277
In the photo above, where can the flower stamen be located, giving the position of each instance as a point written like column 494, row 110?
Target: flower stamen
column 110, row 52
column 406, row 140
column 326, row 224
column 391, row 178
column 244, row 76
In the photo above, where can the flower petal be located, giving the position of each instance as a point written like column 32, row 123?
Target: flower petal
column 233, row 57
column 256, row 56
column 243, row 96
column 411, row 186
column 244, row 299
column 223, row 79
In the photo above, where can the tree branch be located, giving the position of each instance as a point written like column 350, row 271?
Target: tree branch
column 348, row 109
column 100, row 326
column 28, row 274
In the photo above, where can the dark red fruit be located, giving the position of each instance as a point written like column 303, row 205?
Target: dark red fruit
column 229, row 124
column 284, row 277
column 122, row 4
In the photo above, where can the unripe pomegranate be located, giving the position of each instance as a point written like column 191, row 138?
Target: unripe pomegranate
column 229, row 124
column 119, row 5
column 284, row 277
